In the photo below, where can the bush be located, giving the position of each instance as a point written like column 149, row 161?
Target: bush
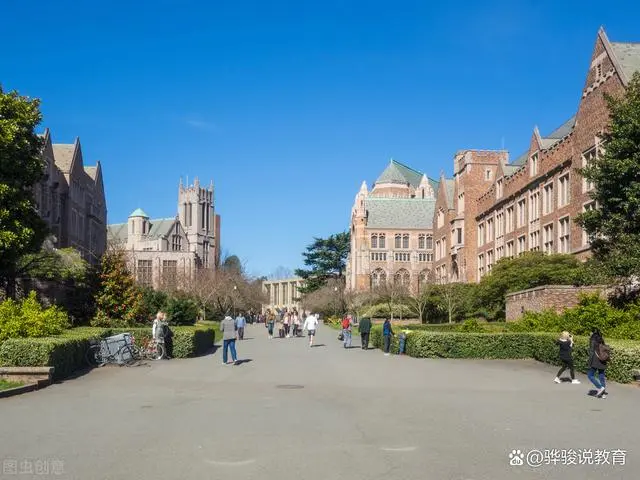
column 30, row 319
column 66, row 353
column 181, row 310
column 152, row 302
column 625, row 355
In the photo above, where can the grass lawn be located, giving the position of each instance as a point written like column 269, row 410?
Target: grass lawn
column 6, row 385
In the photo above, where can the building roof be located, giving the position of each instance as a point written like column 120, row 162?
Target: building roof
column 91, row 171
column 400, row 213
column 399, row 173
column 63, row 155
column 160, row 227
column 510, row 169
column 628, row 55
column 449, row 188
column 138, row 212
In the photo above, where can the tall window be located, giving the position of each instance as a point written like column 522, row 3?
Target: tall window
column 563, row 190
column 440, row 218
column 176, row 242
column 402, row 278
column 499, row 188
column 437, row 249
column 405, row 241
column 429, row 242
column 459, row 232
column 480, row 266
column 490, row 231
column 499, row 224
column 563, row 235
column 480, row 234
column 509, row 225
column 548, row 238
column 421, row 241
column 398, row 241
column 374, row 241
column 587, row 208
column 381, row 241
column 205, row 253
column 487, row 174
column 547, row 199
column 145, row 273
column 510, row 249
column 378, row 278
column 522, row 244
column 460, row 208
column 424, row 279
column 170, row 273
column 499, row 253
column 587, row 159
column 533, row 163
column 534, row 241
column 522, row 213
column 534, row 206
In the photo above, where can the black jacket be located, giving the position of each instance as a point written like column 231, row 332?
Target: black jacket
column 365, row 325
column 566, row 349
column 594, row 361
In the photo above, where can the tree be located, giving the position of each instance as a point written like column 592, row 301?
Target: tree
column 614, row 227
column 232, row 264
column 327, row 299
column 392, row 294
column 327, row 258
column 22, row 231
column 119, row 299
column 423, row 297
column 455, row 299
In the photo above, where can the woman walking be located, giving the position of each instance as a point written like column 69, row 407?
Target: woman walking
column 269, row 320
column 387, row 331
column 599, row 354
column 565, row 342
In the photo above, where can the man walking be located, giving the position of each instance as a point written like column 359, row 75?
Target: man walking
column 365, row 329
column 310, row 325
column 228, row 329
column 241, row 322
column 387, row 331
column 346, row 331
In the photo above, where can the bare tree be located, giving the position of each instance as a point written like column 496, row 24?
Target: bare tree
column 423, row 296
column 391, row 293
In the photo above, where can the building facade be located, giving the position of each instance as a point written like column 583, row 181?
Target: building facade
column 164, row 252
column 392, row 230
column 492, row 207
column 70, row 199
column 282, row 294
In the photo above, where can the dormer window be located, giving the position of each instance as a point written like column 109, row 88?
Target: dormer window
column 499, row 188
column 533, row 164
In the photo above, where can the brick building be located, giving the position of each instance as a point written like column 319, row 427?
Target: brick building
column 493, row 208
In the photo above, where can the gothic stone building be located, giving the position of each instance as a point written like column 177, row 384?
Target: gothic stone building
column 495, row 208
column 162, row 252
column 70, row 199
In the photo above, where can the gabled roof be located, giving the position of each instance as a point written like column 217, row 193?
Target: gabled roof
column 63, row 156
column 628, row 55
column 91, row 171
column 160, row 227
column 521, row 160
column 414, row 213
column 397, row 172
column 449, row 189
column 510, row 169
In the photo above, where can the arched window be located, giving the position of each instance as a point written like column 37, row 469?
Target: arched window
column 374, row 241
column 424, row 278
column 378, row 277
column 429, row 242
column 381, row 240
column 402, row 277
column 405, row 240
column 398, row 241
column 421, row 242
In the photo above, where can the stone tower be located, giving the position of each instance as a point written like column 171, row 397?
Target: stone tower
column 138, row 227
column 196, row 212
column 359, row 255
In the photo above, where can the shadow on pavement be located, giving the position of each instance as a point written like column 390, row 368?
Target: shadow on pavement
column 318, row 345
column 244, row 360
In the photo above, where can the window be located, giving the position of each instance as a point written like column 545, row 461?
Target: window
column 509, row 225
column 429, row 242
column 480, row 266
column 510, row 249
column 437, row 249
column 205, row 253
column 424, row 278
column 547, row 238
column 169, row 272
column 522, row 244
column 440, row 218
column 381, row 241
column 522, row 212
column 402, row 278
column 499, row 253
column 499, row 188
column 402, row 257
column 534, row 206
column 490, row 231
column 176, row 243
column 443, row 246
column 460, row 208
column 587, row 159
column 489, row 260
column 398, row 241
column 145, row 273
column 487, row 174
column 534, row 241
column 563, row 235
column 425, row 257
column 533, row 165
column 379, row 256
column 421, row 241
column 405, row 241
column 480, row 234
column 378, row 277
column 459, row 230
column 563, row 190
column 499, row 224
column 587, row 208
column 374, row 241
column 547, row 199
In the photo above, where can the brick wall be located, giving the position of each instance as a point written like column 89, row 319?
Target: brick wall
column 558, row 297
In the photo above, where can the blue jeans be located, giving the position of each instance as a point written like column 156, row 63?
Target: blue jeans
column 231, row 343
column 592, row 376
column 347, row 337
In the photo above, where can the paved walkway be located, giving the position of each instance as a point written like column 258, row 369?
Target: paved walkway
column 358, row 415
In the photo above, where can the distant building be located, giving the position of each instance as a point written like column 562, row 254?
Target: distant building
column 283, row 294
column 162, row 252
column 70, row 199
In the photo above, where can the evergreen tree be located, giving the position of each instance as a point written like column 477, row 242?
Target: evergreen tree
column 614, row 227
column 327, row 258
column 119, row 299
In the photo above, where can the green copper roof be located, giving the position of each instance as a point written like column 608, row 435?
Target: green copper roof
column 396, row 172
column 138, row 212
column 414, row 213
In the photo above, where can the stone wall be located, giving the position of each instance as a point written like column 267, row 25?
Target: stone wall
column 558, row 297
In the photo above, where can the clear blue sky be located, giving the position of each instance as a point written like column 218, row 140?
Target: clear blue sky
column 289, row 105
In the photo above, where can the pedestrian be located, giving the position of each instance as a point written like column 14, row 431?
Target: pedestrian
column 599, row 354
column 287, row 324
column 365, row 329
column 270, row 319
column 402, row 341
column 228, row 329
column 565, row 342
column 241, row 322
column 296, row 323
column 387, row 331
column 346, row 331
column 168, row 337
column 310, row 325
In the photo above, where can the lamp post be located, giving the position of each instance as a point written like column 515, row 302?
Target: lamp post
column 235, row 289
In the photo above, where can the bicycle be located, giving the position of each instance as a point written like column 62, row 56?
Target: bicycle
column 99, row 355
column 150, row 350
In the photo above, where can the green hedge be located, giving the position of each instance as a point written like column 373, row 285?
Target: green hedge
column 625, row 356
column 67, row 352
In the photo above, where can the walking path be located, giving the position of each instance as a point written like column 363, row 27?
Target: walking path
column 321, row 413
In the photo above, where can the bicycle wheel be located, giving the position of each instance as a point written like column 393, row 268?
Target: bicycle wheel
column 128, row 355
column 94, row 356
column 159, row 352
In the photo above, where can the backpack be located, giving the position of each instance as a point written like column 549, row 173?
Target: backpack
column 603, row 352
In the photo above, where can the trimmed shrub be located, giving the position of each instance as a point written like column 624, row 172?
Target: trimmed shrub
column 181, row 310
column 66, row 353
column 30, row 319
column 625, row 355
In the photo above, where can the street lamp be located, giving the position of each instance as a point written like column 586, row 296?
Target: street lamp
column 235, row 288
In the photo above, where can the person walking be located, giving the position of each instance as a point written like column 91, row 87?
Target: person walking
column 228, row 330
column 599, row 354
column 365, row 329
column 296, row 323
column 241, row 322
column 287, row 324
column 310, row 325
column 565, row 342
column 346, row 331
column 269, row 321
column 387, row 331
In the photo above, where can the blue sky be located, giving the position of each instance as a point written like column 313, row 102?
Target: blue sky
column 289, row 105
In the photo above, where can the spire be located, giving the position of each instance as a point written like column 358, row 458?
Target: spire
column 363, row 188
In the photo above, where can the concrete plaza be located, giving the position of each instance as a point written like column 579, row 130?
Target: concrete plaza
column 324, row 413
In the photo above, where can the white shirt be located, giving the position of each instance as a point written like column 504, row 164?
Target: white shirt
column 310, row 323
